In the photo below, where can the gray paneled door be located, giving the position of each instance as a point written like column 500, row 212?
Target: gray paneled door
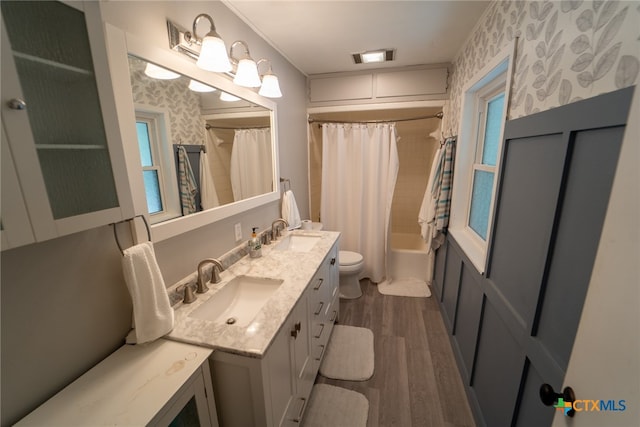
column 514, row 327
column 557, row 173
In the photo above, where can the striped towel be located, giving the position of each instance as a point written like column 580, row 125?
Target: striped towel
column 188, row 185
column 442, row 185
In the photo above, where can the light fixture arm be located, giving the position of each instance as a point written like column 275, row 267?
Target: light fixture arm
column 262, row 61
column 192, row 37
column 246, row 51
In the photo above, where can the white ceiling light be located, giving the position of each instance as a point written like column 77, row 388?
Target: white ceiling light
column 373, row 56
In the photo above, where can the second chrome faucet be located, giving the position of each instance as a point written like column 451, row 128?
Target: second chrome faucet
column 215, row 274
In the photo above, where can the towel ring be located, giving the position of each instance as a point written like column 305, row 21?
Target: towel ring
column 115, row 232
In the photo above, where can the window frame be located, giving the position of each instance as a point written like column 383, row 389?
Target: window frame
column 162, row 160
column 493, row 79
column 483, row 97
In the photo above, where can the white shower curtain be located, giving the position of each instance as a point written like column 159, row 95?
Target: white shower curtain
column 359, row 171
column 251, row 163
column 208, row 194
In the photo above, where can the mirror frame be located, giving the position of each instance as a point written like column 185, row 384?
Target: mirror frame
column 120, row 45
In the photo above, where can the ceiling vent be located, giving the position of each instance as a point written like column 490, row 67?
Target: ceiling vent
column 373, row 56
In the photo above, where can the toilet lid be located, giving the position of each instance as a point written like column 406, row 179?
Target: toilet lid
column 350, row 258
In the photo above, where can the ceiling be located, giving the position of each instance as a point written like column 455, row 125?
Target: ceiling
column 319, row 36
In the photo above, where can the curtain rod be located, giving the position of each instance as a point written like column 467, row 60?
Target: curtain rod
column 208, row 126
column 435, row 116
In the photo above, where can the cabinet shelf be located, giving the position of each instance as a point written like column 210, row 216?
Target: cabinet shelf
column 50, row 63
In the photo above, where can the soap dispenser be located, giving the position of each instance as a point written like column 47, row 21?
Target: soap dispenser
column 255, row 245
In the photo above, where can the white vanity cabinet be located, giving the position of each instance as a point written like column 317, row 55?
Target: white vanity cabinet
column 324, row 305
column 156, row 384
column 60, row 131
column 274, row 390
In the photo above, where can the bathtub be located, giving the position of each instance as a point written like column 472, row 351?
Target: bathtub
column 408, row 257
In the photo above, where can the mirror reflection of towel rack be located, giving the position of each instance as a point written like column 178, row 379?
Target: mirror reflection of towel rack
column 115, row 231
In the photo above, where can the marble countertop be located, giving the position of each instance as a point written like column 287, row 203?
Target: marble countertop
column 296, row 269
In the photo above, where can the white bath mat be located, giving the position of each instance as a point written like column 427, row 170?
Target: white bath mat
column 336, row 406
column 349, row 354
column 405, row 287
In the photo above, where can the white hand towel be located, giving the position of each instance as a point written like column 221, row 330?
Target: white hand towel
column 152, row 312
column 290, row 210
column 208, row 195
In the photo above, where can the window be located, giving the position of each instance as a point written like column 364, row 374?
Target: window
column 490, row 124
column 157, row 168
column 477, row 155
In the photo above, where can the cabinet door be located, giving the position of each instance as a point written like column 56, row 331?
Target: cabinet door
column 56, row 97
column 15, row 225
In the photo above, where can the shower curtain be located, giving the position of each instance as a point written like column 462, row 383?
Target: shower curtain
column 251, row 163
column 359, row 171
column 208, row 194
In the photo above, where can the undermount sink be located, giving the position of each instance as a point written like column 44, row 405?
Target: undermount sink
column 238, row 302
column 298, row 242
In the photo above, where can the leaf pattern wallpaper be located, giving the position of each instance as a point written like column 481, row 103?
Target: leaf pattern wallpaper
column 173, row 96
column 566, row 51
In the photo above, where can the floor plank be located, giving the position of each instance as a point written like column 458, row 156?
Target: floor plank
column 416, row 380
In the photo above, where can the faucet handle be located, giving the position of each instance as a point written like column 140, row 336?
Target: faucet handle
column 189, row 296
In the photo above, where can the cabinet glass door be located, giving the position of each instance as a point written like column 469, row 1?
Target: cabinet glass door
column 52, row 55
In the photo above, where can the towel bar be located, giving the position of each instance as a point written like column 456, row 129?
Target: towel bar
column 115, row 232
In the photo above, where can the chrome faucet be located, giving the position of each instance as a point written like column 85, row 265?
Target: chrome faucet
column 275, row 230
column 215, row 276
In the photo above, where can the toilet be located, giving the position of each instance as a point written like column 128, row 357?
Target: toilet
column 350, row 267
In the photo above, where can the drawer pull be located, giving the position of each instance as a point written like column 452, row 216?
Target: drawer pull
column 334, row 315
column 321, row 352
column 318, row 284
column 319, row 334
column 299, row 417
column 296, row 328
column 319, row 309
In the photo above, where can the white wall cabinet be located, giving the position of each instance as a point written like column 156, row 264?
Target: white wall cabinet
column 60, row 129
column 274, row 390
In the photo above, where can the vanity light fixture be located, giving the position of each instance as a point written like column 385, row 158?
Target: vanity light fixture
column 196, row 86
column 224, row 96
column 270, row 87
column 210, row 52
column 247, row 69
column 156, row 72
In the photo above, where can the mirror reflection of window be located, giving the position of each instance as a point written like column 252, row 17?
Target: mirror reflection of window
column 156, row 161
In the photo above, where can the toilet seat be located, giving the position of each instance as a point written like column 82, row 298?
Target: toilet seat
column 348, row 258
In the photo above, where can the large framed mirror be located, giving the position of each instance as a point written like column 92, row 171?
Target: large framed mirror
column 199, row 148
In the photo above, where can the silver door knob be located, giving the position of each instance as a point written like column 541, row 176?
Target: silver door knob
column 17, row 104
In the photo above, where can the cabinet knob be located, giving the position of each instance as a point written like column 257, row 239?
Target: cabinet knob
column 333, row 261
column 17, row 104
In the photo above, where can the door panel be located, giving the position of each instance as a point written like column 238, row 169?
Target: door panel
column 498, row 369
column 589, row 180
column 528, row 196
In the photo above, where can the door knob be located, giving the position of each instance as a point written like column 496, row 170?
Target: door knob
column 549, row 397
column 17, row 104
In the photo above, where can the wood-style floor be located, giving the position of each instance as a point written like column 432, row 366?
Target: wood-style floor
column 416, row 381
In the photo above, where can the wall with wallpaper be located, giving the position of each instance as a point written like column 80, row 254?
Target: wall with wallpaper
column 566, row 51
column 173, row 96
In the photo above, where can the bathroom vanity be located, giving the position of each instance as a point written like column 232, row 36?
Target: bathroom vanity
column 263, row 369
